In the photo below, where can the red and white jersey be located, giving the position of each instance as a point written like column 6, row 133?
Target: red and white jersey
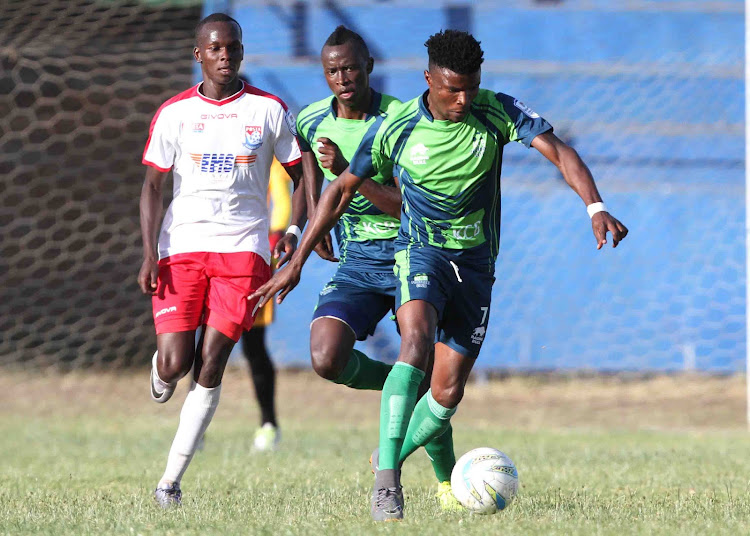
column 221, row 153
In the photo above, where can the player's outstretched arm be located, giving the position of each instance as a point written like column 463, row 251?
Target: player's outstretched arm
column 332, row 205
column 151, row 206
column 577, row 175
column 385, row 198
column 313, row 177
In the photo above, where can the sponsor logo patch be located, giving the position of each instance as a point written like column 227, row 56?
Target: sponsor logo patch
column 327, row 289
column 525, row 109
column 421, row 281
column 478, row 336
column 166, row 310
column 220, row 162
column 218, row 116
column 198, row 127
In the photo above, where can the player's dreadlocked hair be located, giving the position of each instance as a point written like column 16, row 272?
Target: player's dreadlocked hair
column 342, row 35
column 455, row 50
column 215, row 17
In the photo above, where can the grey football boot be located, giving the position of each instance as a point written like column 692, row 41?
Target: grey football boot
column 169, row 496
column 387, row 501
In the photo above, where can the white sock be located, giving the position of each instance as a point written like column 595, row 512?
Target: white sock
column 197, row 412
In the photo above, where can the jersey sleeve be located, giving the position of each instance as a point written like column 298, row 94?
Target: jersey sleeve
column 304, row 144
column 370, row 155
column 161, row 146
column 287, row 148
column 524, row 123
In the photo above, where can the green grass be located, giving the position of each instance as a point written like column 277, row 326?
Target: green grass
column 93, row 473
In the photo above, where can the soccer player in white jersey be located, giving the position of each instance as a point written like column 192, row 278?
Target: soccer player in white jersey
column 219, row 139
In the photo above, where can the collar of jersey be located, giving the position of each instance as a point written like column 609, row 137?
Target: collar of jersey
column 428, row 115
column 374, row 105
column 223, row 101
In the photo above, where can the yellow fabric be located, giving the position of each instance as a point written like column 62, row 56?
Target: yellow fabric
column 264, row 317
column 279, row 197
column 280, row 206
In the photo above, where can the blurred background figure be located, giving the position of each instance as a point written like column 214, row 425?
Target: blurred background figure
column 254, row 349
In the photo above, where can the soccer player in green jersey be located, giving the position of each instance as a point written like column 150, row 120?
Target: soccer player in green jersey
column 364, row 287
column 446, row 148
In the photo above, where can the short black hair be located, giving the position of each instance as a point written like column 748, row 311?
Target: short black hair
column 342, row 35
column 455, row 50
column 215, row 17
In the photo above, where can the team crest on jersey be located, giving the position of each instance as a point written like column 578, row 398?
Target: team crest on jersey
column 198, row 127
column 478, row 146
column 253, row 137
column 290, row 122
column 525, row 109
column 418, row 154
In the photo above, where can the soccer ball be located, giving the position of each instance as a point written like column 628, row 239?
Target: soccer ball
column 484, row 480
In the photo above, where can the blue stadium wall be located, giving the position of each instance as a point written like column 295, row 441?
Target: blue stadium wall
column 651, row 97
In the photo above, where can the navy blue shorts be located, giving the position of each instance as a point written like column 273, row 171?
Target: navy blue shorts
column 461, row 295
column 359, row 299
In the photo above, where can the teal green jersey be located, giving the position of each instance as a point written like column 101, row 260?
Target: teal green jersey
column 364, row 233
column 450, row 172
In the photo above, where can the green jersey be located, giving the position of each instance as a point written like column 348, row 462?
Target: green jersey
column 364, row 233
column 450, row 172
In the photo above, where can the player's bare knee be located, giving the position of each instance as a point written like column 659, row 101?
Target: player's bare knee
column 415, row 348
column 448, row 396
column 173, row 367
column 326, row 361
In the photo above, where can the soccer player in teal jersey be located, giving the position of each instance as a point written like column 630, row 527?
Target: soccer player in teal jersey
column 446, row 148
column 363, row 289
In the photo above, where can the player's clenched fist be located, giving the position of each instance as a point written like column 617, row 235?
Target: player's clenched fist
column 147, row 276
column 331, row 157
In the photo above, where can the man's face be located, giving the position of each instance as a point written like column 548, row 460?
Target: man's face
column 347, row 72
column 220, row 51
column 451, row 94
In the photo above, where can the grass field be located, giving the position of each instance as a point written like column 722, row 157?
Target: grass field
column 82, row 453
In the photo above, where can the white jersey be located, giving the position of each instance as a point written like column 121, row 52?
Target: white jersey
column 220, row 153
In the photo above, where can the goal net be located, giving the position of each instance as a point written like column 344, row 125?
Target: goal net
column 652, row 98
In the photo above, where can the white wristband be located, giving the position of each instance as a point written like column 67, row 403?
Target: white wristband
column 593, row 208
column 293, row 229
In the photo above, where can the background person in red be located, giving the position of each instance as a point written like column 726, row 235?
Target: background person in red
column 219, row 139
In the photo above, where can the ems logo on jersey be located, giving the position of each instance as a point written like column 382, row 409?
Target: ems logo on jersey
column 253, row 137
column 198, row 127
column 418, row 154
column 525, row 109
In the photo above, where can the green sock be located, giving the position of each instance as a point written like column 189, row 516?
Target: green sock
column 361, row 372
column 396, row 406
column 440, row 452
column 430, row 424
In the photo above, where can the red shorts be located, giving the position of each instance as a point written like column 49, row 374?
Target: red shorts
column 208, row 288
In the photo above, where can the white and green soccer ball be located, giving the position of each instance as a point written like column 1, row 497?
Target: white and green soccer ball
column 484, row 480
